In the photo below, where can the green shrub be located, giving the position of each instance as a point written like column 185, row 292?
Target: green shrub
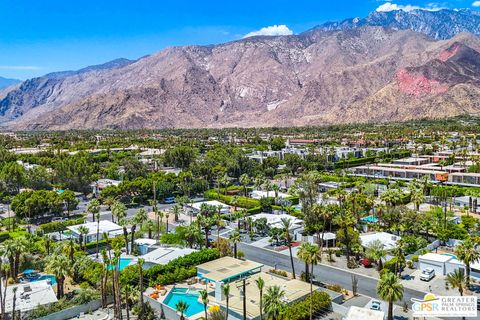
column 57, row 226
column 176, row 270
column 415, row 258
column 300, row 310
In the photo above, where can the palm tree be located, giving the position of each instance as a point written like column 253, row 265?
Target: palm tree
column 119, row 210
column 226, row 293
column 235, row 238
column 345, row 220
column 167, row 215
column 83, row 230
column 59, row 265
column 181, row 307
column 123, row 222
column 14, row 316
column 140, row 285
column 260, row 285
column 98, row 234
column 456, row 280
column 314, row 257
column 204, row 297
column 138, row 219
column 287, row 225
column 468, row 254
column 276, row 189
column 390, row 289
column 303, row 255
column 176, row 211
column 244, row 181
column 93, row 207
column 273, row 304
column 375, row 250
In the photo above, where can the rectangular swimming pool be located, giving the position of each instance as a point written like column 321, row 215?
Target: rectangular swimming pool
column 183, row 294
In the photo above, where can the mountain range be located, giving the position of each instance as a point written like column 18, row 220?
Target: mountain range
column 390, row 66
column 5, row 82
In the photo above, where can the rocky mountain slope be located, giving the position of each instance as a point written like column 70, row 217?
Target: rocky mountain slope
column 368, row 74
column 437, row 24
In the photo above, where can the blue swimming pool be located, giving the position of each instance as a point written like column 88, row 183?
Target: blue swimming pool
column 449, row 255
column 124, row 262
column 183, row 294
column 370, row 219
column 50, row 278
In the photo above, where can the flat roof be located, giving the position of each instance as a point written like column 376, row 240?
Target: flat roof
column 400, row 169
column 294, row 290
column 216, row 203
column 389, row 240
column 165, row 255
column 355, row 313
column 225, row 268
column 435, row 257
column 30, row 295
column 105, row 226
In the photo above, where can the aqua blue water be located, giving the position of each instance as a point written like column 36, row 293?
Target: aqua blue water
column 124, row 262
column 190, row 297
column 50, row 277
column 449, row 255
column 370, row 219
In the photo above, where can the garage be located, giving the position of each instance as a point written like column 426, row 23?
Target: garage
column 434, row 261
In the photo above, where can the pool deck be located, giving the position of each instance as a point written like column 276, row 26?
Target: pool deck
column 197, row 286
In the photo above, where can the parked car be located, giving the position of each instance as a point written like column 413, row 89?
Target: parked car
column 376, row 305
column 427, row 274
column 366, row 263
column 170, row 200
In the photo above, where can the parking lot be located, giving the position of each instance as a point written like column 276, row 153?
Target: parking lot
column 436, row 285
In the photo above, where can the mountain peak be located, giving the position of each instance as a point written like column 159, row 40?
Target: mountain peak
column 439, row 24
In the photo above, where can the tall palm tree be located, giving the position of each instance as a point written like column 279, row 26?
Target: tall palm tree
column 314, row 257
column 139, row 218
column 59, row 265
column 468, row 253
column 176, row 211
column 235, row 238
column 181, row 307
column 98, row 234
column 244, row 181
column 273, row 304
column 204, row 297
column 390, row 289
column 123, row 222
column 287, row 225
column 303, row 255
column 14, row 315
column 345, row 220
column 260, row 285
column 119, row 210
column 456, row 280
column 83, row 230
column 140, row 285
column 93, row 207
column 226, row 293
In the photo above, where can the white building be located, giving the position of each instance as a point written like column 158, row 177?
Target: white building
column 356, row 313
column 164, row 255
column 101, row 184
column 104, row 227
column 446, row 263
column 258, row 194
column 275, row 220
column 389, row 240
column 29, row 296
column 197, row 206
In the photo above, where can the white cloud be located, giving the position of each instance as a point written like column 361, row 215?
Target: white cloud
column 389, row 6
column 22, row 68
column 275, row 30
column 476, row 4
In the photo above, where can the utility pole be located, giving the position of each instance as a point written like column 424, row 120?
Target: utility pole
column 244, row 299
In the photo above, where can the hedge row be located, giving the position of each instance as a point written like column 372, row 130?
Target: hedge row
column 243, row 202
column 300, row 310
column 176, row 270
column 57, row 226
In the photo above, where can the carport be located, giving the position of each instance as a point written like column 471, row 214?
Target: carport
column 434, row 261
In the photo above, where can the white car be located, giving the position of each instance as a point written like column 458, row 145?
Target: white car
column 427, row 274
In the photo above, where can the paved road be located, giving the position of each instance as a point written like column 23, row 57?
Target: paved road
column 366, row 285
column 107, row 214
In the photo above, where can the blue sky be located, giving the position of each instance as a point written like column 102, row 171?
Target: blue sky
column 41, row 36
